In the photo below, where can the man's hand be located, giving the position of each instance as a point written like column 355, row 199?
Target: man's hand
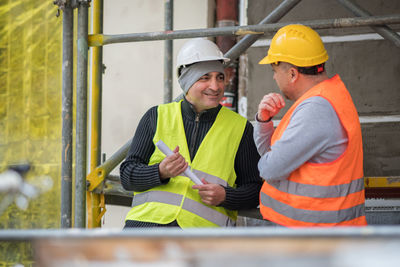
column 211, row 194
column 173, row 165
column 269, row 106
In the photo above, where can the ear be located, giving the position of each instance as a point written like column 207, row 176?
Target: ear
column 294, row 75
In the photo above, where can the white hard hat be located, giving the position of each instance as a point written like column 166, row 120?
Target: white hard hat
column 197, row 50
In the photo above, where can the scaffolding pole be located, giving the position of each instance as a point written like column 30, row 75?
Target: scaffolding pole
column 81, row 117
column 101, row 39
column 383, row 30
column 168, row 50
column 248, row 40
column 93, row 200
column 67, row 88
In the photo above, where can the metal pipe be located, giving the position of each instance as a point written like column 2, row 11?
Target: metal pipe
column 168, row 50
column 98, row 175
column 67, row 87
column 116, row 158
column 93, row 200
column 100, row 39
column 387, row 232
column 227, row 15
column 81, row 117
column 248, row 40
column 242, row 12
column 383, row 30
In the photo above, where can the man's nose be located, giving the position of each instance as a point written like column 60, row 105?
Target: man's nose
column 214, row 84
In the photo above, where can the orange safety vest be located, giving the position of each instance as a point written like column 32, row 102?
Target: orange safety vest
column 321, row 194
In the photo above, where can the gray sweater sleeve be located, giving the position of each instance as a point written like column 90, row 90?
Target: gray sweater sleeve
column 314, row 134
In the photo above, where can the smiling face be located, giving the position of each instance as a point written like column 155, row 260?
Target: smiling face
column 207, row 92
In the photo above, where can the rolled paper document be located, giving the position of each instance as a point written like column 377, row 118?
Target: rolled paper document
column 168, row 152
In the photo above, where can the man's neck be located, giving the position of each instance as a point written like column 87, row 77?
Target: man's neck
column 307, row 82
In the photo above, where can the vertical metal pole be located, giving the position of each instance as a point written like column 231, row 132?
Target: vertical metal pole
column 81, row 117
column 227, row 15
column 93, row 200
column 168, row 50
column 67, row 87
column 249, row 39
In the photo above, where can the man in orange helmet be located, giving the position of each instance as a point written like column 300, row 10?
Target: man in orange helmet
column 312, row 163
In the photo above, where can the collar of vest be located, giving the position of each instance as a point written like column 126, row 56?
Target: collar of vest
column 206, row 115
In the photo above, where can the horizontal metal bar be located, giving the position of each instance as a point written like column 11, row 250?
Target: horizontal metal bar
column 389, row 232
column 100, row 39
column 379, row 119
column 375, row 203
column 385, row 182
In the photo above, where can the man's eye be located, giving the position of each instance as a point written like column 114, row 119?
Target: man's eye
column 221, row 78
column 203, row 78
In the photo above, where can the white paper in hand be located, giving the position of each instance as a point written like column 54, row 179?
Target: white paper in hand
column 168, row 152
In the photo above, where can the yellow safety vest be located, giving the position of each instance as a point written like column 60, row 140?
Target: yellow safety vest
column 214, row 161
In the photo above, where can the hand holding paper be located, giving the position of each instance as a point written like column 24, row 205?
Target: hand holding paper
column 168, row 152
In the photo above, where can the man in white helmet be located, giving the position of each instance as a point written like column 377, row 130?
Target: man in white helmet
column 214, row 141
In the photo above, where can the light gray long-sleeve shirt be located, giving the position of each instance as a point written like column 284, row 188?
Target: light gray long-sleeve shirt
column 314, row 134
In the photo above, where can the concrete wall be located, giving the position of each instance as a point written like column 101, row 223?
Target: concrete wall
column 370, row 69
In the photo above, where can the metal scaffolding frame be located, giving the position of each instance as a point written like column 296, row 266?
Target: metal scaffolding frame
column 99, row 172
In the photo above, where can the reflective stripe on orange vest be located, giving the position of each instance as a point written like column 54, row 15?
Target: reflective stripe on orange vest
column 308, row 190
column 188, row 205
column 313, row 216
column 325, row 194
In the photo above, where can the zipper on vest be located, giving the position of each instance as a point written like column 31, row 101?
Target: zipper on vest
column 194, row 135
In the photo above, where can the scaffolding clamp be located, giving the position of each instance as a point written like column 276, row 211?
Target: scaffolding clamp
column 62, row 4
column 95, row 178
column 83, row 2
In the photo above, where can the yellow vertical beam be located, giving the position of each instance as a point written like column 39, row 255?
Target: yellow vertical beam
column 94, row 202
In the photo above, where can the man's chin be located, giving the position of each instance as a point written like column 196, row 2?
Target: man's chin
column 215, row 102
column 213, row 99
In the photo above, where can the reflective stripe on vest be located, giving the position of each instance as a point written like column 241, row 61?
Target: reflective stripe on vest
column 209, row 178
column 188, row 204
column 317, row 191
column 312, row 216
